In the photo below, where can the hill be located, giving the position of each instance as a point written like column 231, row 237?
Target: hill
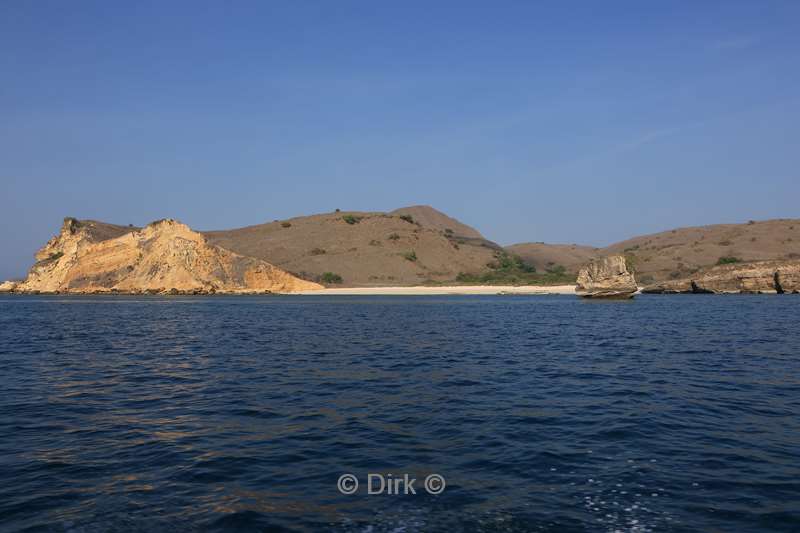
column 432, row 218
column 404, row 247
column 679, row 252
column 551, row 256
column 411, row 246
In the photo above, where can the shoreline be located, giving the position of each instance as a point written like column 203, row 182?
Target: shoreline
column 419, row 290
column 443, row 290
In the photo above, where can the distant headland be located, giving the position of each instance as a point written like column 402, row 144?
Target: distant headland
column 393, row 252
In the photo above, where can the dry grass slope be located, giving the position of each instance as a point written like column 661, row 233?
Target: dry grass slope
column 405, row 247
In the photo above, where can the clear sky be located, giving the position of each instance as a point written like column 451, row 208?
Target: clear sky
column 582, row 122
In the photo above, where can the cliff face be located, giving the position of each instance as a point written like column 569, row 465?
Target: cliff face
column 756, row 277
column 607, row 277
column 165, row 256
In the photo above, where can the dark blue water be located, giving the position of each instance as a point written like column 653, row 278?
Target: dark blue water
column 543, row 413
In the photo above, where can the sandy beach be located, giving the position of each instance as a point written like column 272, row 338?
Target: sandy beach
column 465, row 289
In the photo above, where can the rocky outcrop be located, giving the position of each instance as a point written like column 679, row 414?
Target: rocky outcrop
column 761, row 277
column 787, row 278
column 163, row 257
column 8, row 286
column 607, row 277
column 676, row 286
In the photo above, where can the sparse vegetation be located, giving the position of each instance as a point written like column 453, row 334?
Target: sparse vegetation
column 509, row 269
column 317, row 251
column 330, row 278
column 407, row 218
column 448, row 231
column 351, row 219
column 646, row 279
column 630, row 262
column 631, row 248
column 393, row 237
column 410, row 256
column 286, row 224
column 728, row 260
column 55, row 256
column 724, row 243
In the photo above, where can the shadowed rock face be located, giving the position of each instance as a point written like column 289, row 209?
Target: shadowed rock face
column 607, row 277
column 756, row 277
column 164, row 257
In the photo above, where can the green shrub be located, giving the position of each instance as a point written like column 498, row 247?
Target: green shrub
column 393, row 237
column 509, row 269
column 55, row 255
column 411, row 256
column 286, row 224
column 373, row 242
column 506, row 262
column 350, row 219
column 317, row 251
column 724, row 243
column 728, row 260
column 330, row 278
column 407, row 218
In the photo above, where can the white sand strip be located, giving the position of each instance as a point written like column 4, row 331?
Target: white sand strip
column 467, row 289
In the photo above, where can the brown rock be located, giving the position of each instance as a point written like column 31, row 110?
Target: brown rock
column 787, row 278
column 607, row 277
column 737, row 278
column 669, row 287
column 760, row 277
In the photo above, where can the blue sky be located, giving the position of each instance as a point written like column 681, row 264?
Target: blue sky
column 579, row 122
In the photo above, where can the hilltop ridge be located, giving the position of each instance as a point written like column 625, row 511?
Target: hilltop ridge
column 407, row 246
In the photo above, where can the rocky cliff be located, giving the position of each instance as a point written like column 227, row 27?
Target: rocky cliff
column 163, row 257
column 607, row 277
column 755, row 277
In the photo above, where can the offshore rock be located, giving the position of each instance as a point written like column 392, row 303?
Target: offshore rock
column 607, row 277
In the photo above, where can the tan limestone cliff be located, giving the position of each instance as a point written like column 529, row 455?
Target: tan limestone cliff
column 607, row 277
column 755, row 277
column 163, row 257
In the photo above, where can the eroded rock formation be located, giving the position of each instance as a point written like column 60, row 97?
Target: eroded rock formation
column 163, row 257
column 607, row 277
column 761, row 277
